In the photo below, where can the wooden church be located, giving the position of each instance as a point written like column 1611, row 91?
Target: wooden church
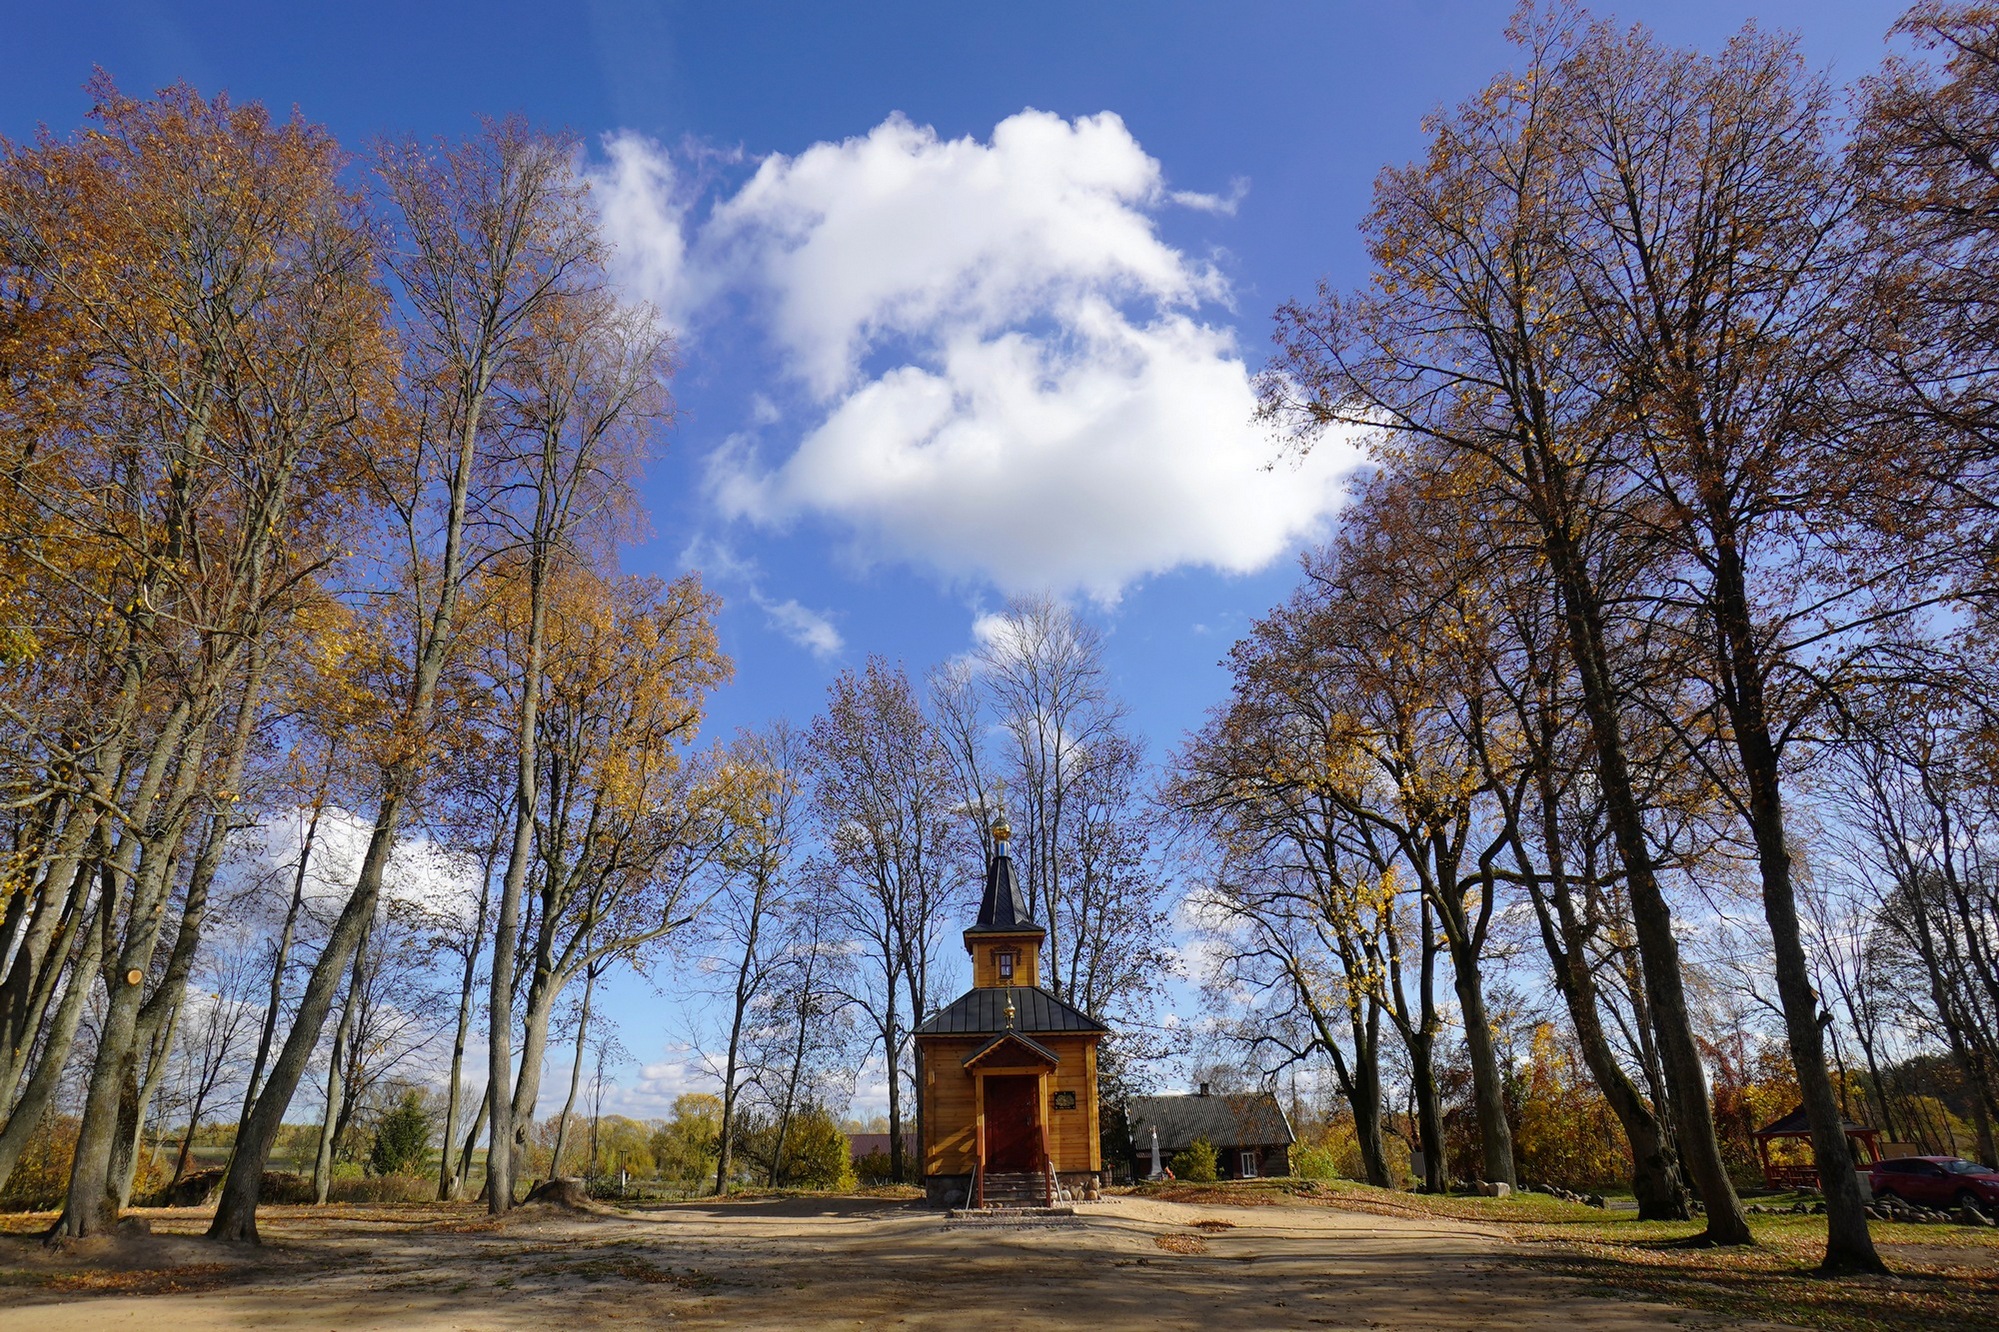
column 1007, row 1071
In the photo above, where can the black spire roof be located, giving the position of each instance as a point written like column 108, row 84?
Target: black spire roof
column 1002, row 910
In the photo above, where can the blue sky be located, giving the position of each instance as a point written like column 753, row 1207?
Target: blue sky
column 969, row 293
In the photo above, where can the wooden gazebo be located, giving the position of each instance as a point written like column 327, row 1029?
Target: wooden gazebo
column 1865, row 1143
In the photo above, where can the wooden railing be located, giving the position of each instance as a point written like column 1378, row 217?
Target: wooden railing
column 978, row 1193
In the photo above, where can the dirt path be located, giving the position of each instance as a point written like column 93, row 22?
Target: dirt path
column 845, row 1263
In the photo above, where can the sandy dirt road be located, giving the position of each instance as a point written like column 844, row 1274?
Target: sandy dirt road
column 840, row 1263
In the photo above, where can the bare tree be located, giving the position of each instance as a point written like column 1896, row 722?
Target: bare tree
column 881, row 783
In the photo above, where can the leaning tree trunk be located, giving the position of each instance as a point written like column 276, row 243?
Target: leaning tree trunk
column 1488, row 1092
column 1651, row 918
column 447, row 1189
column 336, row 1084
column 1849, row 1246
column 1655, row 1169
column 131, row 1142
column 27, row 1112
column 281, row 955
column 575, row 1079
column 236, row 1212
column 1365, row 1098
column 471, row 1145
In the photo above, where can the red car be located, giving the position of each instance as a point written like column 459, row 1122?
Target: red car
column 1936, row 1181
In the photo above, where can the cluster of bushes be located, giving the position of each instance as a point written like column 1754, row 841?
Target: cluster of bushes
column 1198, row 1164
column 815, row 1153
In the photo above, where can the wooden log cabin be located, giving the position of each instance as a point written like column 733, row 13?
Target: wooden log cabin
column 1008, row 1071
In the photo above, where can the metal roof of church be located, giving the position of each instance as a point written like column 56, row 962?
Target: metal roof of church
column 982, row 1012
column 1002, row 910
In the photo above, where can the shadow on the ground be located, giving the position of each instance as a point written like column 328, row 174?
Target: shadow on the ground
column 789, row 1207
column 1761, row 1284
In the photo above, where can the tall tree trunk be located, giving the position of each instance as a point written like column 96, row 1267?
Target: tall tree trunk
column 1651, row 918
column 131, row 1143
column 336, row 1081
column 726, row 1140
column 499, row 1055
column 891, row 1055
column 1418, row 1028
column 1849, row 1247
column 575, row 1076
column 543, row 991
column 1655, row 1170
column 447, row 1178
column 159, row 1017
column 282, row 955
column 1364, row 1097
column 91, row 1204
column 26, row 1116
column 1488, row 1093
column 471, row 1145
column 1429, row 1113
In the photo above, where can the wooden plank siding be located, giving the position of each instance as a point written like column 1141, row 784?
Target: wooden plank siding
column 951, row 1103
column 1026, row 966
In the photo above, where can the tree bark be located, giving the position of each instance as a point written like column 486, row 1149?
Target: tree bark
column 336, row 1083
column 1849, row 1246
column 448, row 1180
column 1651, row 918
column 91, row 1204
column 27, row 1112
column 575, row 1078
column 282, row 955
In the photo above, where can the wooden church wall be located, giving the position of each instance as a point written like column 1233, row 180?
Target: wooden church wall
column 950, row 1105
column 1026, row 967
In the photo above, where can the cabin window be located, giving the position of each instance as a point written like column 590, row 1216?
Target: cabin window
column 1248, row 1166
column 1005, row 959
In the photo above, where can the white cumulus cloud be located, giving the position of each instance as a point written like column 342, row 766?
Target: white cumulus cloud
column 810, row 629
column 1009, row 374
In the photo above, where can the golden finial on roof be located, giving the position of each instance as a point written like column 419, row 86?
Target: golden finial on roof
column 1000, row 831
column 1009, row 1008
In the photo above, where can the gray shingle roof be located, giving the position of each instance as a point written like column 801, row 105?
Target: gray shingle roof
column 1225, row 1119
column 1796, row 1123
column 981, row 1012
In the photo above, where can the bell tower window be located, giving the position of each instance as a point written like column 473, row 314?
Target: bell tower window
column 1004, row 957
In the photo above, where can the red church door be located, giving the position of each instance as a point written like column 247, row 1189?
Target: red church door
column 1013, row 1128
